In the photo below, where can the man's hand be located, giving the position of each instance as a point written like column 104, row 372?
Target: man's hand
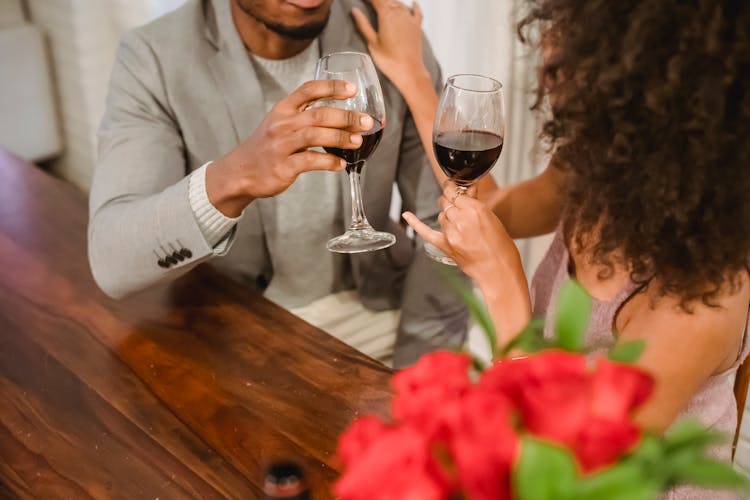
column 269, row 161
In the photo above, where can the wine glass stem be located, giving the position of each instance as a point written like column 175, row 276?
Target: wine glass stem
column 359, row 221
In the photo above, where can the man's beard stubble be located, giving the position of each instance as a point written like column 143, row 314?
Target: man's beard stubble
column 300, row 32
column 306, row 32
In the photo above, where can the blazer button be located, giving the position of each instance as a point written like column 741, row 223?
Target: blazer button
column 162, row 263
column 178, row 256
column 261, row 282
column 171, row 260
column 186, row 253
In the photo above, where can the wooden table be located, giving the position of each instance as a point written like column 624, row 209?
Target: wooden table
column 186, row 390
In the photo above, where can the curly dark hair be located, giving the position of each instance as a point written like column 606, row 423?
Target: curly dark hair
column 651, row 118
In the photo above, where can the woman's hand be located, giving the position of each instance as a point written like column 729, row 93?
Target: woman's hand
column 472, row 235
column 397, row 47
column 477, row 241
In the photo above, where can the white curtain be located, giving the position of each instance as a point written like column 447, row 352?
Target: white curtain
column 130, row 13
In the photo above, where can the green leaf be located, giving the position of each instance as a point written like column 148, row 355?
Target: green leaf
column 658, row 465
column 544, row 472
column 710, row 473
column 690, row 434
column 476, row 307
column 477, row 364
column 685, row 430
column 685, row 461
column 649, row 453
column 628, row 352
column 624, row 481
column 530, row 340
column 573, row 311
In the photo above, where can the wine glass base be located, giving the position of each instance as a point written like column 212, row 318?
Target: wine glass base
column 361, row 240
column 437, row 255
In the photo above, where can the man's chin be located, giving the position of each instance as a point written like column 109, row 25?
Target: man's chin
column 305, row 32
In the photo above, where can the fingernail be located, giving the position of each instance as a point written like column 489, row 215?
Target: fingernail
column 366, row 121
column 350, row 87
column 356, row 139
column 342, row 163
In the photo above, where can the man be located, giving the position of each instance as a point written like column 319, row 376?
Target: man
column 203, row 152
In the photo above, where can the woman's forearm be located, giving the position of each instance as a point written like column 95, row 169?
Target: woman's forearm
column 506, row 293
column 422, row 100
column 530, row 208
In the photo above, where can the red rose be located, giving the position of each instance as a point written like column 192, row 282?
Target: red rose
column 454, row 437
column 359, row 437
column 511, row 376
column 484, row 446
column 560, row 399
column 618, row 389
column 433, row 383
column 550, row 390
column 601, row 442
column 397, row 465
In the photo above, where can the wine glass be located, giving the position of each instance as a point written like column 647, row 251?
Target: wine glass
column 357, row 68
column 468, row 134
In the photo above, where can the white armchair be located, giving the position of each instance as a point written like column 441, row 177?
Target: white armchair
column 83, row 36
column 28, row 117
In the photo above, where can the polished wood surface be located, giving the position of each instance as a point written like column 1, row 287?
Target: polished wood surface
column 184, row 391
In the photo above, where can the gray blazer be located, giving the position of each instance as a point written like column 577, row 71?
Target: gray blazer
column 183, row 91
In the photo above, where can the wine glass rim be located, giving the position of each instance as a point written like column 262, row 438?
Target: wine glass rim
column 345, row 52
column 496, row 84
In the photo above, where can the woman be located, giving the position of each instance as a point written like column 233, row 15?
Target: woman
column 650, row 129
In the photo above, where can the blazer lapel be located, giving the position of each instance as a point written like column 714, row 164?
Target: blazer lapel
column 234, row 73
column 338, row 36
column 237, row 82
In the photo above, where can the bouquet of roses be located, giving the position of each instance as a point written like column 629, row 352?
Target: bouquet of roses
column 554, row 424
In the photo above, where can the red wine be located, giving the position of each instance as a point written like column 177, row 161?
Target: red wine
column 466, row 156
column 355, row 157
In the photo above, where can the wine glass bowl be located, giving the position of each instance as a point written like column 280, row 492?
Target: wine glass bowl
column 468, row 134
column 357, row 68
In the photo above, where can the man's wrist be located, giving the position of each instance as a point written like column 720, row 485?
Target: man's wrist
column 506, row 291
column 225, row 188
column 213, row 224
